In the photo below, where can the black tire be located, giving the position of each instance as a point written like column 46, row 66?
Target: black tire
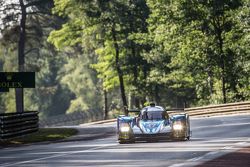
column 122, row 142
column 126, row 141
column 179, row 138
column 132, row 141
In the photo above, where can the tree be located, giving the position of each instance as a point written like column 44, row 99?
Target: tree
column 19, row 16
column 218, row 21
column 110, row 28
column 196, row 42
column 49, row 97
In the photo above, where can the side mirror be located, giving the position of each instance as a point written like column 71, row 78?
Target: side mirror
column 166, row 122
column 137, row 119
column 134, row 121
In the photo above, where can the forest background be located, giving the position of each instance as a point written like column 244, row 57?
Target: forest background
column 110, row 55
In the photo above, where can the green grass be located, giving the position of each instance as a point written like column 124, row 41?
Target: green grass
column 44, row 134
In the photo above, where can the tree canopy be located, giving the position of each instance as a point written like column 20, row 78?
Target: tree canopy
column 123, row 53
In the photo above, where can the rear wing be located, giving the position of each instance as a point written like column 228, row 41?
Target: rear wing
column 172, row 111
column 132, row 111
column 169, row 110
column 136, row 110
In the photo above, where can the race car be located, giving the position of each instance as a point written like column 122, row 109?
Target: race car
column 153, row 123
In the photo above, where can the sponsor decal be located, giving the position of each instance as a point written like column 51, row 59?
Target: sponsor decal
column 16, row 80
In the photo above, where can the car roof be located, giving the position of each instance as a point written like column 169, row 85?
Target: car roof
column 153, row 108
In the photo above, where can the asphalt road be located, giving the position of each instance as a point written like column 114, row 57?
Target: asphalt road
column 211, row 137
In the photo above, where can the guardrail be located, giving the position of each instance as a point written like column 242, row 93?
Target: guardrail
column 230, row 108
column 222, row 109
column 75, row 118
column 95, row 115
column 18, row 124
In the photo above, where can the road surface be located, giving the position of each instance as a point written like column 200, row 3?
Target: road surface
column 211, row 137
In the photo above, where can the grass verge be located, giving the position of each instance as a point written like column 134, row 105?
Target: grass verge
column 43, row 134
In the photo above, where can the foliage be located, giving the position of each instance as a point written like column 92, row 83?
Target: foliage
column 49, row 98
column 81, row 80
column 198, row 41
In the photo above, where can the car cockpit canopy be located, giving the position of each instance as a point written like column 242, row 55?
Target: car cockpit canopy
column 153, row 112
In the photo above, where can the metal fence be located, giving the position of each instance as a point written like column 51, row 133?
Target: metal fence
column 75, row 118
column 230, row 108
column 18, row 124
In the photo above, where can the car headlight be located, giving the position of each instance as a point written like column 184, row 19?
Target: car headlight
column 124, row 129
column 177, row 127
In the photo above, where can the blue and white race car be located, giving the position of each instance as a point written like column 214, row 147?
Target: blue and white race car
column 153, row 123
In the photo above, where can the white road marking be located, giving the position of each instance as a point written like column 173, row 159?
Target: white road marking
column 227, row 147
column 101, row 139
column 241, row 143
column 212, row 153
column 54, row 156
column 196, row 158
column 177, row 165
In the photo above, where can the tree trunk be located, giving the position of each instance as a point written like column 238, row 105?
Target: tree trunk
column 21, row 50
column 222, row 66
column 105, row 104
column 210, row 82
column 219, row 29
column 224, row 87
column 119, row 71
column 157, row 97
column 137, row 102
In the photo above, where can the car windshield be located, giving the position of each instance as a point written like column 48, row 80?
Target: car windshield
column 153, row 115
